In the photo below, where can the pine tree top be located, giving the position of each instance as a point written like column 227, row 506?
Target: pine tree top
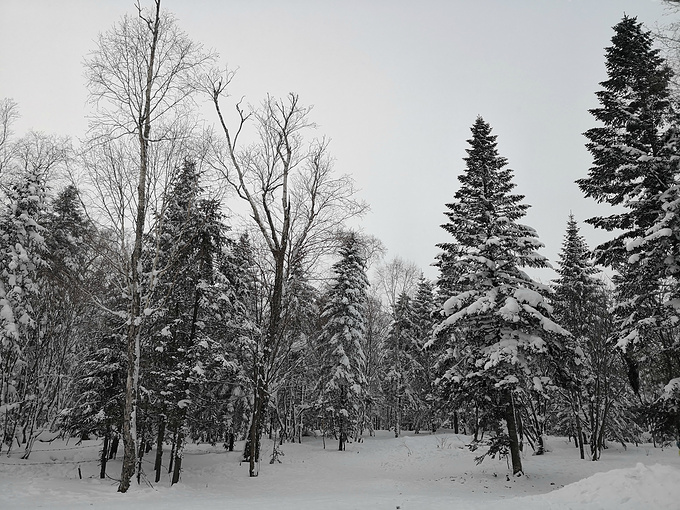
column 574, row 257
column 483, row 217
column 633, row 60
column 505, row 314
column 633, row 149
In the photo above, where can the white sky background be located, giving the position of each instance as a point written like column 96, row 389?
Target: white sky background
column 395, row 84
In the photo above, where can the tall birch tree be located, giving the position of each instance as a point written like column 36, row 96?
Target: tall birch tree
column 141, row 77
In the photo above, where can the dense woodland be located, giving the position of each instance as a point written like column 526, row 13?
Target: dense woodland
column 134, row 309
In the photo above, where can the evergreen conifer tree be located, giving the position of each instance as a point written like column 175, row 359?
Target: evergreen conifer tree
column 635, row 168
column 92, row 368
column 634, row 153
column 190, row 242
column 63, row 306
column 342, row 337
column 98, row 387
column 591, row 373
column 424, row 308
column 632, row 156
column 502, row 316
column 22, row 257
column 575, row 300
column 575, row 287
column 400, row 350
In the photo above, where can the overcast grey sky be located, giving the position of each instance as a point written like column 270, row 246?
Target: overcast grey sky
column 395, row 84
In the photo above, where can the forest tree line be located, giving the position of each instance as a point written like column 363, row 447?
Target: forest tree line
column 133, row 309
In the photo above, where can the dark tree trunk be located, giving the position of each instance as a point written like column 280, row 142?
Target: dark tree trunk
column 594, row 434
column 179, row 453
column 105, row 452
column 600, row 441
column 579, row 427
column 342, row 421
column 540, row 446
column 263, row 363
column 173, row 447
column 512, row 432
column 113, row 453
column 176, row 470
column 142, row 449
column 159, row 447
column 251, row 452
column 519, row 425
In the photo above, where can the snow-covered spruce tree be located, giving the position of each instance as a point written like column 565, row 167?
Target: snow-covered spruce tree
column 401, row 366
column 189, row 242
column 214, row 367
column 22, row 251
column 635, row 168
column 632, row 152
column 576, row 286
column 575, row 300
column 502, row 312
column 99, row 392
column 633, row 159
column 79, row 275
column 64, row 310
column 423, row 318
column 242, row 290
column 593, row 382
column 342, row 338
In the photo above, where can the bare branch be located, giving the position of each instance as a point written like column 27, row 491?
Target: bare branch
column 397, row 277
column 9, row 113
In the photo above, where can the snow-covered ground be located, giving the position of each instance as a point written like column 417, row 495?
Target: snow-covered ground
column 411, row 472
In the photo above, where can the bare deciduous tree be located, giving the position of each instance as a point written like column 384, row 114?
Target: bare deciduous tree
column 141, row 77
column 397, row 277
column 296, row 203
column 9, row 113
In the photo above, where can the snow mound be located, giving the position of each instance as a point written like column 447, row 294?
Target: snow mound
column 641, row 487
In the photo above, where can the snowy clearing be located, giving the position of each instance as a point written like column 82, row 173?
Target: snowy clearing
column 412, row 472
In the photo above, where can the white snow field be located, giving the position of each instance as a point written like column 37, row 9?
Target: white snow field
column 382, row 472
